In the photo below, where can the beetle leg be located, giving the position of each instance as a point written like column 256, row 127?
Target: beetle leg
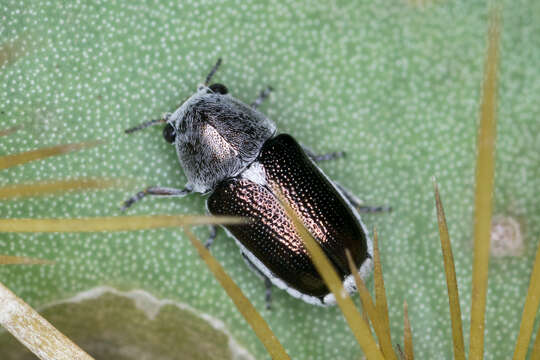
column 369, row 209
column 268, row 293
column 155, row 190
column 211, row 237
column 323, row 157
column 212, row 72
column 148, row 123
column 355, row 201
column 358, row 204
column 262, row 96
column 328, row 156
column 267, row 281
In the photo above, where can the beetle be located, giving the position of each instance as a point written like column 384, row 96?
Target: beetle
column 232, row 152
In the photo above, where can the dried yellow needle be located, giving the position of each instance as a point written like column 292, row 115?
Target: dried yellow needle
column 8, row 161
column 407, row 335
column 51, row 187
column 451, row 281
column 116, row 223
column 380, row 292
column 22, row 260
column 366, row 319
column 535, row 355
column 36, row 333
column 254, row 319
column 485, row 165
column 369, row 307
column 357, row 324
column 529, row 311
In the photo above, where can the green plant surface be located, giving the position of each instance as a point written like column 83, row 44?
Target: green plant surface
column 96, row 324
column 394, row 84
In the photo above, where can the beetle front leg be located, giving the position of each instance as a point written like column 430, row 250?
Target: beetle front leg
column 149, row 123
column 155, row 190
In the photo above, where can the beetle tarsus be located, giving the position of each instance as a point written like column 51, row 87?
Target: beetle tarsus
column 366, row 209
column 211, row 236
column 132, row 200
column 323, row 157
column 329, row 156
column 263, row 95
column 268, row 293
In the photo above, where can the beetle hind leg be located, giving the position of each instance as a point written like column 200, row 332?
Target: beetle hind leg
column 267, row 282
column 268, row 293
column 369, row 209
column 211, row 237
column 359, row 204
column 324, row 157
column 355, row 201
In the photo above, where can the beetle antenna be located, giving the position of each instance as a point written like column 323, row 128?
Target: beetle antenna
column 144, row 125
column 212, row 72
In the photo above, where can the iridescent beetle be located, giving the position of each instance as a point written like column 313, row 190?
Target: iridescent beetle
column 230, row 151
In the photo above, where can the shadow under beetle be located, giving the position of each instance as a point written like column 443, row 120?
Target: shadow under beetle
column 231, row 151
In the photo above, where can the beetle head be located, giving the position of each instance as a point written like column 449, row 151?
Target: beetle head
column 216, row 136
